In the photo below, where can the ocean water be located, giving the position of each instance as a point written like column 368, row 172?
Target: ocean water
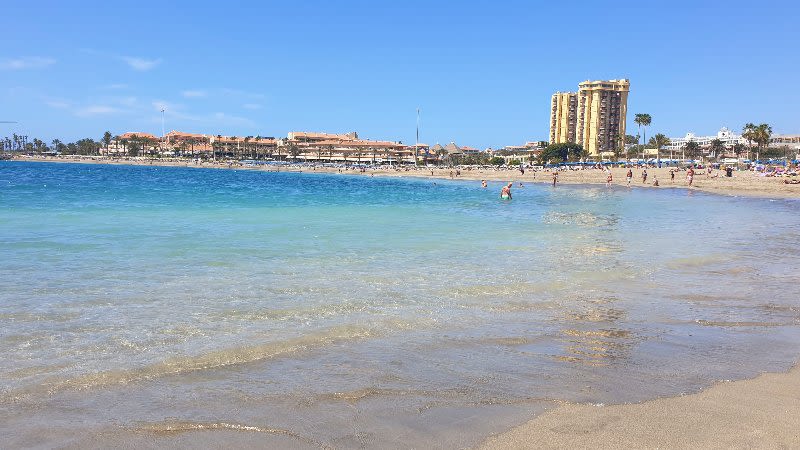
column 154, row 306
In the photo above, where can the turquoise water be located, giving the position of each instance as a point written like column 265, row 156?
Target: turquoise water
column 180, row 306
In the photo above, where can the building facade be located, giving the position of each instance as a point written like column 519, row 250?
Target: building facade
column 594, row 117
column 563, row 117
column 728, row 138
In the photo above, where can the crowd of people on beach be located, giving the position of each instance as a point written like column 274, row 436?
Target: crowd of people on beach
column 580, row 173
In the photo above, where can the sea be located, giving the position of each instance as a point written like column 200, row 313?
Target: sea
column 145, row 306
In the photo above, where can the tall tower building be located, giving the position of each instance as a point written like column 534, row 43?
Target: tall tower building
column 597, row 119
column 563, row 117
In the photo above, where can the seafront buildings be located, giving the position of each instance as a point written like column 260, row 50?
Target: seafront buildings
column 729, row 139
column 593, row 117
column 726, row 136
column 298, row 145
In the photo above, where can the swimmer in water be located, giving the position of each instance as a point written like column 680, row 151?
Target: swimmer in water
column 505, row 194
column 483, row 183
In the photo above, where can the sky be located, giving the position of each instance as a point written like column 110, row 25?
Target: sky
column 480, row 72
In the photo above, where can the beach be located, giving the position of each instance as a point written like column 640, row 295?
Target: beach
column 163, row 305
column 758, row 413
column 742, row 183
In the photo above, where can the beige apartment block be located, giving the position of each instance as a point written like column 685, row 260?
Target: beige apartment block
column 593, row 117
column 563, row 117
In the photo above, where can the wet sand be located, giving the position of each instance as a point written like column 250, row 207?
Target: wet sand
column 760, row 413
column 743, row 183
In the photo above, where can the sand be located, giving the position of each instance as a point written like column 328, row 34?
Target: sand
column 760, row 413
column 743, row 183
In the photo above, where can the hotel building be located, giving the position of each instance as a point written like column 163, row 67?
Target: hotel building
column 593, row 117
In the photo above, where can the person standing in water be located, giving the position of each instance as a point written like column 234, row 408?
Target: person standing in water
column 555, row 177
column 609, row 179
column 690, row 175
column 629, row 176
column 505, row 193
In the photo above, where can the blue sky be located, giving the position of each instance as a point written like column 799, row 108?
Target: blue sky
column 481, row 72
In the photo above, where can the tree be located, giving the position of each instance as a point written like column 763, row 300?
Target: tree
column 294, row 150
column 692, row 149
column 133, row 147
column 762, row 137
column 717, row 147
column 659, row 141
column 561, row 152
column 135, row 143
column 107, row 140
column 630, row 140
column 56, row 145
column 643, row 120
column 749, row 133
column 738, row 149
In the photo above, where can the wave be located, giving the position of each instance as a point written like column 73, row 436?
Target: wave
column 187, row 427
column 210, row 360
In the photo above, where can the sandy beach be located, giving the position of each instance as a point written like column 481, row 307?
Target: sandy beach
column 743, row 183
column 758, row 413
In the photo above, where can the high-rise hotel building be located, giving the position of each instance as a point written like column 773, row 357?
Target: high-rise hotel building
column 593, row 117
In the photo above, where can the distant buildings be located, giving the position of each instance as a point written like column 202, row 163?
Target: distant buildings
column 728, row 138
column 593, row 117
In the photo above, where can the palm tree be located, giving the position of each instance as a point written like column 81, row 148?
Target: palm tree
column 717, row 147
column 738, row 149
column 749, row 133
column 658, row 141
column 619, row 146
column 691, row 148
column 107, row 140
column 643, row 120
column 762, row 136
column 256, row 147
column 294, row 150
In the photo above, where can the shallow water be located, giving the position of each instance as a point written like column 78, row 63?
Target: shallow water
column 173, row 306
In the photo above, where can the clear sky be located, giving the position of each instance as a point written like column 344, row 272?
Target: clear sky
column 482, row 73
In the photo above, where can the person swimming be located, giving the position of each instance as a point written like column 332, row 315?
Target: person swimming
column 483, row 183
column 505, row 193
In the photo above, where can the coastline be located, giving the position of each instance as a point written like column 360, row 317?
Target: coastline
column 584, row 420
column 756, row 413
column 744, row 183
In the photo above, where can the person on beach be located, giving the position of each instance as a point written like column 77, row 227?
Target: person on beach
column 609, row 179
column 483, row 183
column 629, row 177
column 655, row 181
column 555, row 177
column 644, row 175
column 672, row 175
column 690, row 175
column 505, row 193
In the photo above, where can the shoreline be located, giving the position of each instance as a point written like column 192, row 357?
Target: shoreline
column 741, row 412
column 761, row 412
column 744, row 184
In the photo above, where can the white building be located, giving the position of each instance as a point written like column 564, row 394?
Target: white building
column 728, row 138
